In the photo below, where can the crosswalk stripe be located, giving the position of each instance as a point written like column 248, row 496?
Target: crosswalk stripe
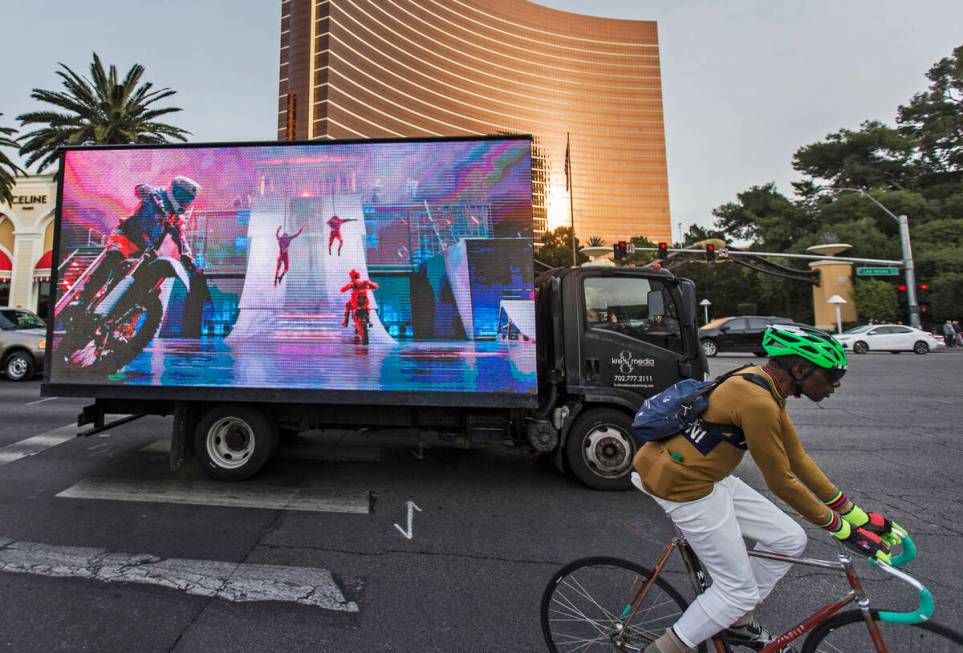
column 213, row 493
column 37, row 443
column 298, row 451
column 230, row 581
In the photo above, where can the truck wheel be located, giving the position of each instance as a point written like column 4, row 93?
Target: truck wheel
column 233, row 442
column 600, row 447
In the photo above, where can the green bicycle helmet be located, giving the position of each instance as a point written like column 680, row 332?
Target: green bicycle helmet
column 817, row 347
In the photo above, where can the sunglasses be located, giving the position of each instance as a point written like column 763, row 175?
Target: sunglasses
column 833, row 375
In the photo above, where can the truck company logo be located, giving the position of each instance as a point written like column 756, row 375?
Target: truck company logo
column 627, row 364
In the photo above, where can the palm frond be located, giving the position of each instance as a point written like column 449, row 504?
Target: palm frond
column 99, row 109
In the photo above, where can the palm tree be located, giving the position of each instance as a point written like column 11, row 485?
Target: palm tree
column 8, row 169
column 596, row 241
column 99, row 110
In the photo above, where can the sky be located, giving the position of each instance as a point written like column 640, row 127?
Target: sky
column 745, row 82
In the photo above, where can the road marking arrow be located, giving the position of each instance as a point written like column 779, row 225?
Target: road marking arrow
column 409, row 533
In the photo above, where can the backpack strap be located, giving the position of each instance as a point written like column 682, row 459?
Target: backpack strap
column 762, row 382
column 706, row 436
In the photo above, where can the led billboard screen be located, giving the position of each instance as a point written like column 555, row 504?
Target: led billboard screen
column 401, row 266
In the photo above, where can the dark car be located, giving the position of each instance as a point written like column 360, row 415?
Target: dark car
column 23, row 337
column 742, row 333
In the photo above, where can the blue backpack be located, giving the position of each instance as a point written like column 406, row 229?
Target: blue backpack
column 678, row 409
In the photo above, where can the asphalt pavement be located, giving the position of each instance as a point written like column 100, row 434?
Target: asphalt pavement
column 347, row 542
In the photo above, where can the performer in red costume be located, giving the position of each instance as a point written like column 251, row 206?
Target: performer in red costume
column 335, row 223
column 284, row 242
column 358, row 304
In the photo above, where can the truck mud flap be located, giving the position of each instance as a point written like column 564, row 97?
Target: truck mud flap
column 182, row 435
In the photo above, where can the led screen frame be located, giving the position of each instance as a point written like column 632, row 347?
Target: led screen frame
column 428, row 275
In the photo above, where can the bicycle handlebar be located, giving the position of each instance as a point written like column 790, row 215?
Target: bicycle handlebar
column 927, row 605
column 908, row 552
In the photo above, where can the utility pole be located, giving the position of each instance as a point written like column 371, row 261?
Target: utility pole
column 908, row 267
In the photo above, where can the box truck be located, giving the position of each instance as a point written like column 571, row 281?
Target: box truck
column 253, row 291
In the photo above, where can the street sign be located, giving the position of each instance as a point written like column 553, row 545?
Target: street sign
column 877, row 272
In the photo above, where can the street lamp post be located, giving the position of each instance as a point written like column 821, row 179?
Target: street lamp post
column 908, row 268
column 837, row 301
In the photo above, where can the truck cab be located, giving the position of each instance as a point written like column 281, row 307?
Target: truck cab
column 609, row 338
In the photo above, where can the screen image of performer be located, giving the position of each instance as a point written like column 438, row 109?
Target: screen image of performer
column 335, row 223
column 160, row 213
column 358, row 304
column 284, row 242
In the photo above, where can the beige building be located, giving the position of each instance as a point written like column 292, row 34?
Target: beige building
column 366, row 68
column 26, row 243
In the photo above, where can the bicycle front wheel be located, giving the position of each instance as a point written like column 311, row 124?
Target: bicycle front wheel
column 586, row 603
column 847, row 632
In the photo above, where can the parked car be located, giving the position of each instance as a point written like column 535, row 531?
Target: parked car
column 742, row 333
column 23, row 338
column 894, row 338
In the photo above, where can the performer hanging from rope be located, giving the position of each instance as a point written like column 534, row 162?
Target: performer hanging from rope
column 284, row 242
column 335, row 224
column 358, row 304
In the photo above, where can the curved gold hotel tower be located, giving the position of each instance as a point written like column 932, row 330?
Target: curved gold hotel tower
column 388, row 68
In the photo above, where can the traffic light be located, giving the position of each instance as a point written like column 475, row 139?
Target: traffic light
column 710, row 253
column 922, row 298
column 663, row 250
column 901, row 298
column 621, row 250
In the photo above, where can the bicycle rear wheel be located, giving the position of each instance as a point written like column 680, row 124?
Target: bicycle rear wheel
column 847, row 632
column 584, row 603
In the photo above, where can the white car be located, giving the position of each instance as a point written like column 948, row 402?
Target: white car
column 889, row 337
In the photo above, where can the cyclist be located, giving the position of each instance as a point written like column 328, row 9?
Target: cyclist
column 690, row 476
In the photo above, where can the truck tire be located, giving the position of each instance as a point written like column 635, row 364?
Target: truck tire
column 600, row 447
column 232, row 442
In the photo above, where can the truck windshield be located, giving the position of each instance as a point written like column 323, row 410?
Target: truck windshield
column 12, row 319
column 639, row 308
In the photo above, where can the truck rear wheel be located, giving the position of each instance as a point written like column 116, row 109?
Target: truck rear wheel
column 599, row 449
column 233, row 442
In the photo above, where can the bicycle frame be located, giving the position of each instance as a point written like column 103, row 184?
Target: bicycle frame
column 700, row 583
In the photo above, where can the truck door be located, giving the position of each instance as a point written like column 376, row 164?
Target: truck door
column 631, row 335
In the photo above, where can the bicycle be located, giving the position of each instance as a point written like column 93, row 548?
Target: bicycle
column 610, row 604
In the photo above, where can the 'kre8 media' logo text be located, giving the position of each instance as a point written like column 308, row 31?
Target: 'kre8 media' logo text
column 627, row 363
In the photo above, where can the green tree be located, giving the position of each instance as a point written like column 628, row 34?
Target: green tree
column 556, row 249
column 946, row 297
column 101, row 109
column 698, row 233
column 764, row 215
column 874, row 156
column 934, row 118
column 8, row 169
column 877, row 300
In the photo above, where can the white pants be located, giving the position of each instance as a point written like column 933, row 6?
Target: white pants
column 714, row 527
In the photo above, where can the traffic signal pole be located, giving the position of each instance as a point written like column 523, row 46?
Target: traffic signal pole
column 909, row 269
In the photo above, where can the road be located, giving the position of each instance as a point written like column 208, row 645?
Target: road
column 323, row 561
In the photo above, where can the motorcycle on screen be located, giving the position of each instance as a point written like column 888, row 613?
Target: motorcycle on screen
column 103, row 336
